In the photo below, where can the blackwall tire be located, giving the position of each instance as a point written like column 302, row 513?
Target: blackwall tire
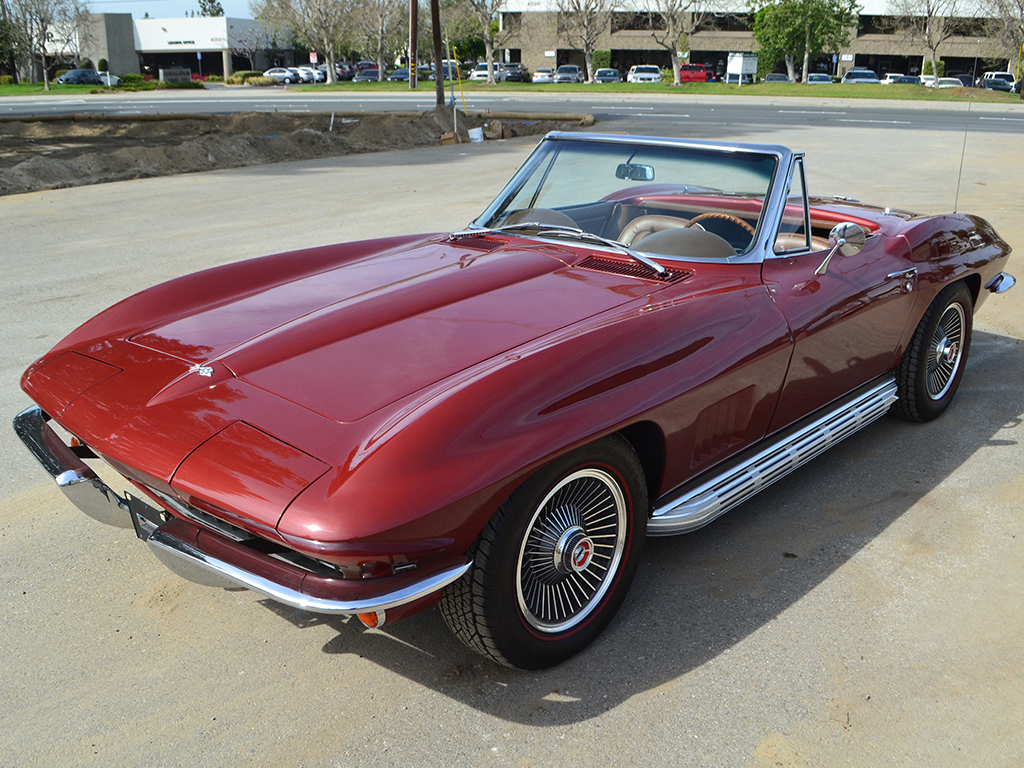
column 554, row 564
column 933, row 364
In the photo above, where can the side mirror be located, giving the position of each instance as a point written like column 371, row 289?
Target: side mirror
column 847, row 239
column 635, row 172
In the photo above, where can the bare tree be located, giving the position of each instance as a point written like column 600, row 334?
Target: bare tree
column 1008, row 20
column 929, row 23
column 380, row 26
column 667, row 20
column 251, row 41
column 46, row 29
column 581, row 23
column 323, row 25
column 487, row 28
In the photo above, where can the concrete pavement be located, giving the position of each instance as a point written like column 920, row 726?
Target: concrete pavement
column 865, row 611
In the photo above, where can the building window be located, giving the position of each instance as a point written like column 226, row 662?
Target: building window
column 722, row 22
column 877, row 25
column 636, row 21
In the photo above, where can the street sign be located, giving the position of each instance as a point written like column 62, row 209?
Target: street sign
column 312, row 57
column 199, row 55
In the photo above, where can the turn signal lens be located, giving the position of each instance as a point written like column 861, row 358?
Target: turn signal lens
column 372, row 620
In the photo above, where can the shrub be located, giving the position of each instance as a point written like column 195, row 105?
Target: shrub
column 214, row 79
column 261, row 81
column 131, row 78
column 6, row 79
column 246, row 74
column 87, row 64
column 102, row 66
column 927, row 68
column 602, row 59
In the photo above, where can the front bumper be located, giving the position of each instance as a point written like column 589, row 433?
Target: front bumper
column 211, row 558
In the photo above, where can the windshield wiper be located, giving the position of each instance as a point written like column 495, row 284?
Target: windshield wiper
column 558, row 230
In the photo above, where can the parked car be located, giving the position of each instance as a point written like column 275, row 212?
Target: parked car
column 283, row 75
column 303, row 75
column 997, row 84
column 908, row 80
column 818, row 78
column 733, row 77
column 479, row 73
column 928, row 81
column 543, row 75
column 644, row 73
column 891, row 78
column 311, row 74
column 633, row 338
column 361, row 65
column 998, row 75
column 366, row 76
column 80, row 77
column 344, row 70
column 776, row 77
column 949, row 82
column 514, row 73
column 568, row 73
column 607, row 76
column 402, row 74
column 693, row 73
column 860, row 77
column 108, row 79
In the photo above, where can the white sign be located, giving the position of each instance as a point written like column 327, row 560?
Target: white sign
column 312, row 57
column 742, row 64
column 549, row 54
column 847, row 57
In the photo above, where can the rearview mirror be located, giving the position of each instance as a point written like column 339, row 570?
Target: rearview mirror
column 635, row 172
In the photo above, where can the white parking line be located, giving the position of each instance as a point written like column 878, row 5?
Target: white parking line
column 883, row 122
column 1011, row 119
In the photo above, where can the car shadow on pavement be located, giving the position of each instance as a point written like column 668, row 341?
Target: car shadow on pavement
column 697, row 595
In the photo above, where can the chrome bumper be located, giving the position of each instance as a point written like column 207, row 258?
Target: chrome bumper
column 209, row 558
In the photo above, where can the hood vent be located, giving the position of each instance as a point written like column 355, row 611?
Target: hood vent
column 481, row 243
column 632, row 269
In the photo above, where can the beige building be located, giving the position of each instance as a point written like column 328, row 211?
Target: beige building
column 532, row 38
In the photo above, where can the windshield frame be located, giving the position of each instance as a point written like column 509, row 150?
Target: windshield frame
column 771, row 211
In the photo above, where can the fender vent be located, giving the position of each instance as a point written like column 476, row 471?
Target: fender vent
column 481, row 243
column 632, row 269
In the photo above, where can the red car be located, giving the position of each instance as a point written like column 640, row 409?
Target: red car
column 637, row 335
column 693, row 73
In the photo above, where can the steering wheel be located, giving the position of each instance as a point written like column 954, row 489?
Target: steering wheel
column 726, row 216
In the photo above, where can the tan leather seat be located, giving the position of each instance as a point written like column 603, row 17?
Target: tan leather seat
column 642, row 226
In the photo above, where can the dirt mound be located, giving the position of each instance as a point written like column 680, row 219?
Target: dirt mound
column 53, row 153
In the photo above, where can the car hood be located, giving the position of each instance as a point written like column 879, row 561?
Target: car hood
column 350, row 340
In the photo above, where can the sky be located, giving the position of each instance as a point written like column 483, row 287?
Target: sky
column 159, row 9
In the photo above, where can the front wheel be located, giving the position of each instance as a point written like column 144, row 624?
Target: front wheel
column 554, row 564
column 933, row 363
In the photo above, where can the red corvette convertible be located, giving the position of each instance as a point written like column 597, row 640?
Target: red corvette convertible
column 636, row 336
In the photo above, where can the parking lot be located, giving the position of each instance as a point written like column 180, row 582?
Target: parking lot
column 865, row 611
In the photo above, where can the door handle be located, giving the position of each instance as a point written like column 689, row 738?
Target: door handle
column 903, row 274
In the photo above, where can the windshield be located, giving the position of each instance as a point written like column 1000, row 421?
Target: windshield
column 629, row 192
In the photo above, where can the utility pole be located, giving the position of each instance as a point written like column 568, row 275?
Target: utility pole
column 414, row 40
column 435, row 20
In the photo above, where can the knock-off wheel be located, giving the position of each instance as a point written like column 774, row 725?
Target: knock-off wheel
column 555, row 562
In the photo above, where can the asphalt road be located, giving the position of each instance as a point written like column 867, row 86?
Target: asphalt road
column 693, row 116
column 864, row 612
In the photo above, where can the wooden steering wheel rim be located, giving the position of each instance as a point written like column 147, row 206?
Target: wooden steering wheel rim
column 726, row 216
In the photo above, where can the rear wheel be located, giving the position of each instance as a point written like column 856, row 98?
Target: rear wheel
column 555, row 562
column 933, row 363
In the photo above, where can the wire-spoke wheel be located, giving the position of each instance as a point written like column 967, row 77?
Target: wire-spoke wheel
column 933, row 363
column 552, row 566
column 571, row 551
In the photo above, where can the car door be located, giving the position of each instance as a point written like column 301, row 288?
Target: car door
column 847, row 320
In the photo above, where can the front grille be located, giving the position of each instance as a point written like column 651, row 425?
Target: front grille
column 632, row 269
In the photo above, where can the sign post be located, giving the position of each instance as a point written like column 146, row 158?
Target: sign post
column 199, row 58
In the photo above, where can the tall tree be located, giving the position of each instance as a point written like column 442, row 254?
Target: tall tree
column 210, row 8
column 251, row 41
column 45, row 27
column 794, row 30
column 380, row 27
column 487, row 29
column 667, row 23
column 581, row 23
column 1008, row 20
column 929, row 23
column 322, row 25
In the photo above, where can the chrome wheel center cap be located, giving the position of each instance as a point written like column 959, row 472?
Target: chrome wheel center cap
column 574, row 551
column 946, row 350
